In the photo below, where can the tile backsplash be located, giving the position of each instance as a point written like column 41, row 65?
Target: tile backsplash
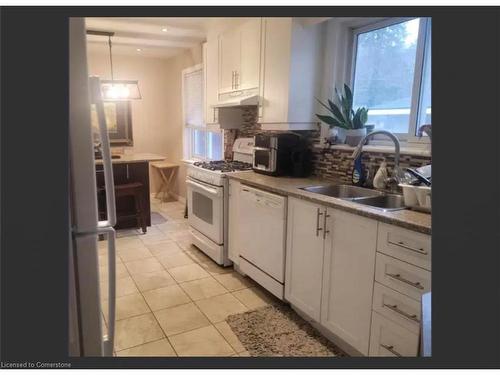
column 328, row 163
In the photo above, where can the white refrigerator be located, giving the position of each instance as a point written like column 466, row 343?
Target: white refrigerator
column 86, row 334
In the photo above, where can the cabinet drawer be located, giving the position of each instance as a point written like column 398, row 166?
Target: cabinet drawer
column 397, row 307
column 391, row 340
column 404, row 244
column 403, row 277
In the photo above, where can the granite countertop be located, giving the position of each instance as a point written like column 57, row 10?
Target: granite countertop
column 416, row 221
column 135, row 158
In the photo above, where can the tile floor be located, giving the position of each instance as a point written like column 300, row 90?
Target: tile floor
column 172, row 300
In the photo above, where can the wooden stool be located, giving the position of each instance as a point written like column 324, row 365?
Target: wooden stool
column 167, row 172
column 133, row 189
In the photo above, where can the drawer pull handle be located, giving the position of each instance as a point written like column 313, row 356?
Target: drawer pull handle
column 397, row 276
column 391, row 349
column 317, row 222
column 401, row 312
column 405, row 246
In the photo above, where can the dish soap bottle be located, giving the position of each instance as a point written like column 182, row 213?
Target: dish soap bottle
column 358, row 177
column 379, row 181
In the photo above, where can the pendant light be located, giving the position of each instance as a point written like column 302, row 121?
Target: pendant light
column 116, row 89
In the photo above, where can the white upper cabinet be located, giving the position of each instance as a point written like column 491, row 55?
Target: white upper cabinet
column 290, row 74
column 239, row 57
column 348, row 274
column 211, row 74
column 304, row 256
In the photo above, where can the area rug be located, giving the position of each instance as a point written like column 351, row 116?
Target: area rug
column 157, row 218
column 277, row 331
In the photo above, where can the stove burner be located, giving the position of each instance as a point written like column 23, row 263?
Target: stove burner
column 223, row 165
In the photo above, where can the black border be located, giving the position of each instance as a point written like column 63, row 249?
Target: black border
column 466, row 203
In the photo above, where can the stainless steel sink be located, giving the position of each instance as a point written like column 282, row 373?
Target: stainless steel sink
column 386, row 202
column 347, row 192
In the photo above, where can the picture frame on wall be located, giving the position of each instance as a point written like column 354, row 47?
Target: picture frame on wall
column 119, row 120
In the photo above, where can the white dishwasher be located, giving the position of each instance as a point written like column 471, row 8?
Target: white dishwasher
column 262, row 220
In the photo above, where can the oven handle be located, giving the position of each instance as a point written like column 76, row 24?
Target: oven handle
column 205, row 188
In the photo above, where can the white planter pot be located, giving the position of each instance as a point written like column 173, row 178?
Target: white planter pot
column 354, row 136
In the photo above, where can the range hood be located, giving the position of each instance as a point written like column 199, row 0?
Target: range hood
column 238, row 101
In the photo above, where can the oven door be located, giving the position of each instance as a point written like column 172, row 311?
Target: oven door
column 206, row 209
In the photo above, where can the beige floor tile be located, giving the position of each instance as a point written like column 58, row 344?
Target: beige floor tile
column 153, row 280
column 228, row 334
column 155, row 238
column 124, row 286
column 202, row 342
column 214, row 269
column 128, row 306
column 203, row 288
column 137, row 331
column 121, row 272
column 197, row 255
column 134, row 253
column 170, row 226
column 175, row 260
column 218, row 308
column 182, row 318
column 234, row 281
column 160, row 348
column 168, row 296
column 143, row 265
column 180, row 235
column 176, row 214
column 246, row 353
column 128, row 242
column 188, row 273
column 253, row 298
column 164, row 248
column 186, row 244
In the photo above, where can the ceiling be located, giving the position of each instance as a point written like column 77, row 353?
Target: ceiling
column 160, row 37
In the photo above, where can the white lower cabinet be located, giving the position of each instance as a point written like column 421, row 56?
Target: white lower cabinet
column 348, row 273
column 304, row 256
column 389, row 339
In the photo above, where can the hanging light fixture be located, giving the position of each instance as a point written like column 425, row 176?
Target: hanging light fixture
column 116, row 89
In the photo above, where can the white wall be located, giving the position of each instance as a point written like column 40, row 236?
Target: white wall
column 156, row 118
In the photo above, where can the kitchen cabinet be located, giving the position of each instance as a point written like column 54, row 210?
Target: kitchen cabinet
column 211, row 74
column 348, row 274
column 233, row 223
column 239, row 57
column 330, row 264
column 304, row 256
column 291, row 62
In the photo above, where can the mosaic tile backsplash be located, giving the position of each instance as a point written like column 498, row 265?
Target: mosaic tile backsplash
column 327, row 163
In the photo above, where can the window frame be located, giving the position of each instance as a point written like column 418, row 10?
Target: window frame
column 188, row 130
column 424, row 33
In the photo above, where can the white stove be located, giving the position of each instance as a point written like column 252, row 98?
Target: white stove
column 208, row 197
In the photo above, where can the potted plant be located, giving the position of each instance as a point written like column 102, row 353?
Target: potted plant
column 344, row 117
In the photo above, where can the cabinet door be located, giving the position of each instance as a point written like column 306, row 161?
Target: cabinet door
column 229, row 60
column 348, row 277
column 249, row 73
column 211, row 75
column 234, row 208
column 277, row 49
column 304, row 256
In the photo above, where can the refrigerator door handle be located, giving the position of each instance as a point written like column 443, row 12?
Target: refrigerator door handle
column 96, row 98
column 109, row 339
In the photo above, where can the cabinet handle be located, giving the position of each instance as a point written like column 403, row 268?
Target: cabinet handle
column 319, row 213
column 397, row 276
column 325, row 231
column 232, row 79
column 401, row 312
column 405, row 246
column 391, row 349
column 128, row 175
column 236, row 79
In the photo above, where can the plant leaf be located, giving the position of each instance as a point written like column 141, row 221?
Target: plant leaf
column 363, row 116
column 331, row 121
column 336, row 111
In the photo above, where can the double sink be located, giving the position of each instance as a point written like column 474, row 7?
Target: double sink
column 368, row 197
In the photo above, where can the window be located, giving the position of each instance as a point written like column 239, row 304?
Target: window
column 199, row 143
column 391, row 74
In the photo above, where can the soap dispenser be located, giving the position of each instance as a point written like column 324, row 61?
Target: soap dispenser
column 379, row 181
column 358, row 177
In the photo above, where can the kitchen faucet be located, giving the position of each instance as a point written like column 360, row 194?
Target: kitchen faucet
column 397, row 174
